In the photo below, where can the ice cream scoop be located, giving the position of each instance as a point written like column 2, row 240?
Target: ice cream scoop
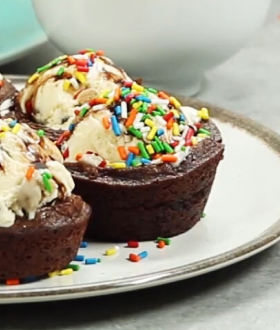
column 31, row 172
column 57, row 89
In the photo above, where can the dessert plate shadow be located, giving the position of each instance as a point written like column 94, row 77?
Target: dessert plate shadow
column 242, row 219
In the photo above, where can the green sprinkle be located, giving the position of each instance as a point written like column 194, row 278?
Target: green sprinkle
column 159, row 142
column 183, row 148
column 143, row 150
column 74, row 267
column 44, row 68
column 167, row 241
column 152, row 90
column 106, row 94
column 168, row 148
column 90, row 50
column 46, row 182
column 203, row 215
column 57, row 60
column 204, row 131
column 136, row 162
column 60, row 71
column 83, row 112
column 156, row 146
column 133, row 101
column 146, row 117
column 135, row 132
column 48, row 175
column 145, row 107
column 162, row 112
column 156, row 113
column 98, row 260
column 41, row 132
column 125, row 92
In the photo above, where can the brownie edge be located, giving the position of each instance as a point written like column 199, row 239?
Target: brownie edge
column 45, row 244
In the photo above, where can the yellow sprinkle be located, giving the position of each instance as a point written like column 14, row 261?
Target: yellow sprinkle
column 5, row 128
column 203, row 136
column 2, row 135
column 176, row 130
column 66, row 271
column 149, row 122
column 118, row 165
column 204, row 113
column 194, row 141
column 81, row 77
column 150, row 149
column 16, row 128
column 175, row 112
column 104, row 94
column 152, row 133
column 66, row 84
column 137, row 87
column 137, row 105
column 175, row 102
column 33, row 78
column 110, row 101
column 53, row 274
column 111, row 252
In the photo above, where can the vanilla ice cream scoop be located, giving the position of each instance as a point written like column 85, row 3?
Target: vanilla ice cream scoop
column 31, row 172
column 133, row 126
column 56, row 90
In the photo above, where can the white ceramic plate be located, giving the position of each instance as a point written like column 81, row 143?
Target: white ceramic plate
column 242, row 219
column 20, row 31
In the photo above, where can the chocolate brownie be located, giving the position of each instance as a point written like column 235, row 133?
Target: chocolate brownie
column 47, row 243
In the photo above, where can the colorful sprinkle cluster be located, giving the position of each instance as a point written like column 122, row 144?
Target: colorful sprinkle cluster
column 164, row 129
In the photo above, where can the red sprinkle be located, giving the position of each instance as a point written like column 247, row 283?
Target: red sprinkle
column 29, row 107
column 83, row 51
column 97, row 101
column 62, row 137
column 151, row 108
column 128, row 83
column 134, row 257
column 13, row 281
column 174, row 144
column 198, row 125
column 189, row 136
column 128, row 98
column 168, row 116
column 103, row 164
column 132, row 244
column 1, row 83
column 83, row 68
column 81, row 62
column 66, row 153
column 77, row 112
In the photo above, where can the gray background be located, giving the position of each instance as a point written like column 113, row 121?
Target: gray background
column 244, row 296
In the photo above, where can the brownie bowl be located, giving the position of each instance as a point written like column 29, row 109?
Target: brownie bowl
column 143, row 203
column 47, row 243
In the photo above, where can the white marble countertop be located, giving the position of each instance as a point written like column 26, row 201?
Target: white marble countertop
column 242, row 297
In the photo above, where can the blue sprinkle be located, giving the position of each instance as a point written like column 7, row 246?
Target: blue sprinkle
column 79, row 258
column 129, row 159
column 91, row 261
column 143, row 98
column 160, row 132
column 13, row 123
column 30, row 279
column 115, row 126
column 118, row 110
column 71, row 127
column 145, row 161
column 84, row 244
column 182, row 117
column 143, row 254
column 90, row 63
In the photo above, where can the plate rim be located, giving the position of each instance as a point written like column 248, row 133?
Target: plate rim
column 265, row 240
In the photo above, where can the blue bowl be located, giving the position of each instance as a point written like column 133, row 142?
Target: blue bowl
column 20, row 31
